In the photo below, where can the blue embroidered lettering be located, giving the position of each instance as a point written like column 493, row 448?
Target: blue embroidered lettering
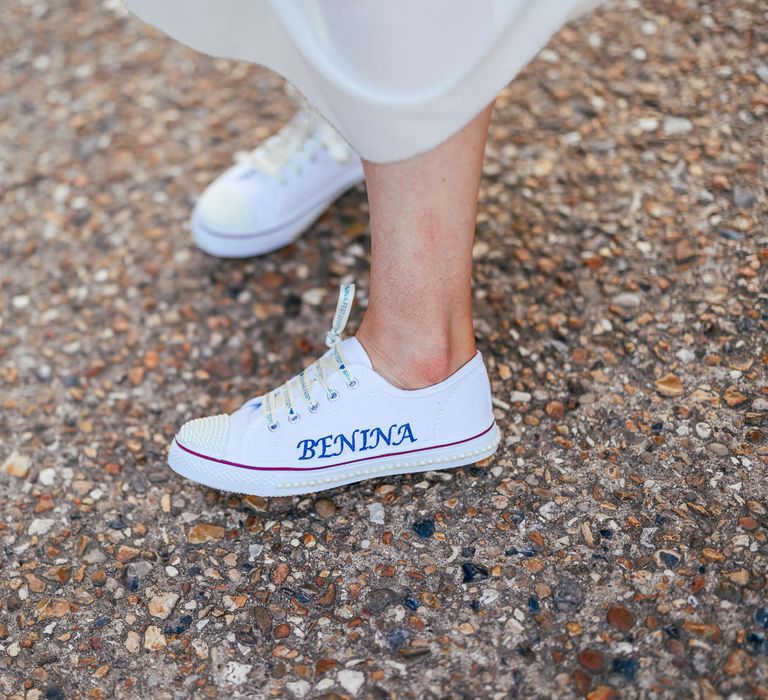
column 342, row 441
column 325, row 442
column 308, row 447
column 360, row 440
column 404, row 431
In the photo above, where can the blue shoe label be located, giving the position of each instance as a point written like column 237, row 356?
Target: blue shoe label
column 358, row 441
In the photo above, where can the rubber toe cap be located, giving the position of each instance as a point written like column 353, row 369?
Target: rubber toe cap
column 226, row 208
column 205, row 435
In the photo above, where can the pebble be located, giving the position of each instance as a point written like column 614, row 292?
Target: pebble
column 568, row 596
column 154, row 639
column 380, row 599
column 325, row 507
column 41, row 526
column 704, row 430
column 473, row 572
column 204, row 532
column 669, row 386
column 520, row 397
column 351, row 680
column 620, row 618
column 424, row 528
column 674, row 126
column 47, row 477
column 162, row 604
column 17, row 465
column 376, row 513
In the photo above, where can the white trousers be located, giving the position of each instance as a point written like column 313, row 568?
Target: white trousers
column 394, row 77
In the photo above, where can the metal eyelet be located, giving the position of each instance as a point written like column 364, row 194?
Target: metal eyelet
column 273, row 426
column 313, row 407
column 333, row 395
column 293, row 417
column 353, row 383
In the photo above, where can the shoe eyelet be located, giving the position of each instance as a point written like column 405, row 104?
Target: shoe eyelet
column 353, row 383
column 313, row 407
column 293, row 417
column 273, row 426
column 333, row 395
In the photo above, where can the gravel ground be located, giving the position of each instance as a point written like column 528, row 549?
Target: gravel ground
column 614, row 547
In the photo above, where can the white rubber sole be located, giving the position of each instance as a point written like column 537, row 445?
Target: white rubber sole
column 248, row 245
column 291, row 481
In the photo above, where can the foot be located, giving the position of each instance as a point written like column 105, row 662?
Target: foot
column 276, row 192
column 338, row 422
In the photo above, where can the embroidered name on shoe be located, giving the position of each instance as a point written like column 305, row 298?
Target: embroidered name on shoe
column 358, row 441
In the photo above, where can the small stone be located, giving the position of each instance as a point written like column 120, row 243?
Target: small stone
column 262, row 619
column 592, row 660
column 738, row 662
column 126, row 553
column 236, row 673
column 685, row 251
column 627, row 300
column 648, row 124
column 567, row 596
column 717, row 448
column 162, row 604
column 748, row 523
column 520, row 397
column 40, row 526
column 325, row 507
column 376, row 513
column 674, row 126
column 670, row 386
column 425, row 528
column 381, row 598
column 154, row 639
column 351, row 680
column 473, row 572
column 667, row 559
column 704, row 430
column 47, row 477
column 17, row 465
column 620, row 618
column 133, row 642
column 733, row 397
column 625, row 667
column 204, row 532
column 743, row 197
column 282, row 631
column 555, row 409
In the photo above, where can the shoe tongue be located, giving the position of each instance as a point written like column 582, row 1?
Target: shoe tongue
column 355, row 353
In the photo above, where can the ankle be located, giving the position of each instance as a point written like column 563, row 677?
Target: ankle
column 418, row 360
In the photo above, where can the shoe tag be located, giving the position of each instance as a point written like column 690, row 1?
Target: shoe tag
column 343, row 307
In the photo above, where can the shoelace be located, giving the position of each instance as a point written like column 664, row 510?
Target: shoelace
column 319, row 372
column 271, row 156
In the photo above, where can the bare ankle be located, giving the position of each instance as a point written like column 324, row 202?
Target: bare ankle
column 418, row 362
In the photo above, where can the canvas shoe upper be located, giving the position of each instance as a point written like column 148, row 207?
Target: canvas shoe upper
column 337, row 422
column 272, row 194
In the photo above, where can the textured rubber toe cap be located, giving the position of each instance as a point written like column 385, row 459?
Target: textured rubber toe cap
column 225, row 208
column 205, row 435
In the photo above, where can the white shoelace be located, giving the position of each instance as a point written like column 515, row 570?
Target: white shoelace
column 319, row 372
column 271, row 156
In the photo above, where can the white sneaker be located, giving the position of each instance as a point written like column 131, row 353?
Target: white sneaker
column 338, row 422
column 277, row 191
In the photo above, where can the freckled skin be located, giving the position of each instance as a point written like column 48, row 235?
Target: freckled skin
column 418, row 326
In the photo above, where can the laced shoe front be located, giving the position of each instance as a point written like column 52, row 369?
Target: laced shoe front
column 273, row 193
column 338, row 422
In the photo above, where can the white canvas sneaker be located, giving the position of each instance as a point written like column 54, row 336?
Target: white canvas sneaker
column 275, row 192
column 338, row 422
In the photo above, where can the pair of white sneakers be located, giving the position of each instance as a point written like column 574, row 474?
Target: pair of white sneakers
column 338, row 421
